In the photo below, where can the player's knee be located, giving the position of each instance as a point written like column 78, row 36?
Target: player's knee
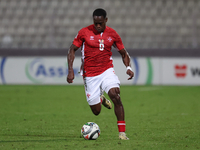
column 114, row 95
column 96, row 109
column 96, row 112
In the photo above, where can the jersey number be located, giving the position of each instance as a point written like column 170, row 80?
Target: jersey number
column 101, row 45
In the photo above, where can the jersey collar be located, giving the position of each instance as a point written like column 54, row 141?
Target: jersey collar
column 96, row 32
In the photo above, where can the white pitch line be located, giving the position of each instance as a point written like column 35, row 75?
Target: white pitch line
column 149, row 88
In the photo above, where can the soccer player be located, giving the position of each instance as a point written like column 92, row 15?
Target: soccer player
column 96, row 41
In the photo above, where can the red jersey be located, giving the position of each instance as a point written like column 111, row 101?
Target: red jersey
column 96, row 49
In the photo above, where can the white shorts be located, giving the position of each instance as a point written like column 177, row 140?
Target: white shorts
column 95, row 86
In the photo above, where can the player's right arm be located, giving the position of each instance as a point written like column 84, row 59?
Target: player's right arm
column 70, row 60
column 78, row 41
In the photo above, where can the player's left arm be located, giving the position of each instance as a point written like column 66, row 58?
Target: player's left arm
column 125, row 56
column 127, row 63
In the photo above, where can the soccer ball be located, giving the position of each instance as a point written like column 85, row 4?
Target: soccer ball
column 90, row 131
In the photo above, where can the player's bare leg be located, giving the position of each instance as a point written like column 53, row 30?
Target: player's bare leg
column 114, row 94
column 115, row 97
column 96, row 109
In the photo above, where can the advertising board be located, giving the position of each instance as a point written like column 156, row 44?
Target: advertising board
column 180, row 71
column 147, row 70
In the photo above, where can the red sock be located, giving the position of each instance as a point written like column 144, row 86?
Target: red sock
column 121, row 126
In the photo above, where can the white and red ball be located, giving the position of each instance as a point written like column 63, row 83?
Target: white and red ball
column 90, row 131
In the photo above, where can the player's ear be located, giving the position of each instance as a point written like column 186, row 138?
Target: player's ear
column 106, row 19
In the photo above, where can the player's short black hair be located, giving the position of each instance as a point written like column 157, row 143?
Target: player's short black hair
column 100, row 12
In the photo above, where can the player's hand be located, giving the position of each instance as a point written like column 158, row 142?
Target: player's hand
column 70, row 76
column 130, row 73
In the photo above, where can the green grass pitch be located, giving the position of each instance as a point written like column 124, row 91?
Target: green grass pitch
column 51, row 116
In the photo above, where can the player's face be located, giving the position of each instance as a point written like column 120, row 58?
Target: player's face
column 100, row 23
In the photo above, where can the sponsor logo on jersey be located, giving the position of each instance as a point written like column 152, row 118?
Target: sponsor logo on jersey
column 101, row 41
column 109, row 39
column 91, row 37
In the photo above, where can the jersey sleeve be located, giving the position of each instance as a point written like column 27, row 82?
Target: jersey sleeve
column 78, row 40
column 118, row 42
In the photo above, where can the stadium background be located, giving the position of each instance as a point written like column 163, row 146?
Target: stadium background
column 148, row 28
column 158, row 34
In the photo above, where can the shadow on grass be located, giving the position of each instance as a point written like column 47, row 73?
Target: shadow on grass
column 55, row 138
column 33, row 140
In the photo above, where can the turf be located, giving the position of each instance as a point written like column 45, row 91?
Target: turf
column 51, row 116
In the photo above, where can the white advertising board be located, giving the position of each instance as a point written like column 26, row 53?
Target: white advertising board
column 37, row 70
column 180, row 71
column 53, row 70
column 146, row 70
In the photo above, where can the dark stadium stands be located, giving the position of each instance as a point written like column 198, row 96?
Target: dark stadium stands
column 142, row 24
